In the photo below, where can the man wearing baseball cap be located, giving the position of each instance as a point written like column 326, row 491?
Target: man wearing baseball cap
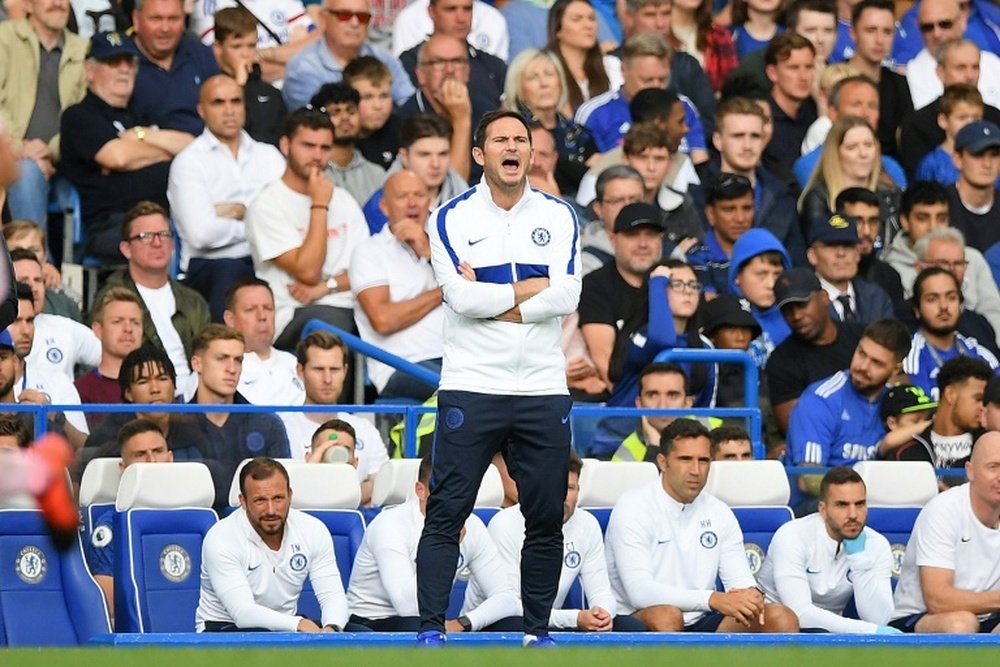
column 818, row 347
column 834, row 255
column 112, row 156
column 613, row 292
column 972, row 200
column 729, row 209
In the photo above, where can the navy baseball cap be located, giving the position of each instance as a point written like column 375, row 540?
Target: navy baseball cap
column 108, row 45
column 637, row 215
column 977, row 136
column 839, row 228
column 6, row 340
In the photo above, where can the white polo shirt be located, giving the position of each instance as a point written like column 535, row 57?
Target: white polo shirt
column 810, row 573
column 61, row 343
column 488, row 33
column 662, row 552
column 244, row 582
column 369, row 448
column 583, row 556
column 59, row 389
column 272, row 381
column 278, row 220
column 382, row 261
column 384, row 579
column 949, row 536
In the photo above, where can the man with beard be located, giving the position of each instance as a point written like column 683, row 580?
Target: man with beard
column 212, row 182
column 818, row 347
column 937, row 304
column 347, row 167
column 302, row 232
column 947, row 442
column 837, row 420
column 817, row 564
column 237, row 594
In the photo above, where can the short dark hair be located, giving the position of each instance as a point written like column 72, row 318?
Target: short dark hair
column 234, row 22
column 658, row 367
column 837, row 476
column 821, row 6
column 643, row 136
column 961, row 369
column 240, row 283
column 881, row 5
column 134, row 428
column 141, row 209
column 311, row 119
column 575, row 462
column 652, row 104
column 490, row 117
column 261, row 468
column 780, row 48
column 14, row 425
column 922, row 192
column 423, row 126
column 145, row 358
column 367, row 67
column 722, row 434
column 680, row 429
column 336, row 425
column 214, row 331
column 891, row 334
column 856, row 195
column 424, row 471
column 324, row 340
column 334, row 93
column 930, row 272
column 19, row 254
column 744, row 85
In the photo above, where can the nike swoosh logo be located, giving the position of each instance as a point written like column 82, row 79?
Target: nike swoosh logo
column 966, row 539
column 472, row 243
column 663, row 541
column 809, row 571
column 251, row 569
column 564, row 419
column 262, row 98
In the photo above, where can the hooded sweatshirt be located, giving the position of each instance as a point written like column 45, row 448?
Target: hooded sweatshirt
column 774, row 329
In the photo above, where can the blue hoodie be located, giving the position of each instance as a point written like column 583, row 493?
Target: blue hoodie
column 774, row 329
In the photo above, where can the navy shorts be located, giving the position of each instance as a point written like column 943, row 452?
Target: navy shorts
column 708, row 623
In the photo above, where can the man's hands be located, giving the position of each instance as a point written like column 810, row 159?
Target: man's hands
column 412, row 234
column 319, row 188
column 455, row 100
column 746, row 605
column 306, row 625
column 453, row 626
column 306, row 294
column 594, row 619
column 38, row 150
column 523, row 290
column 233, row 210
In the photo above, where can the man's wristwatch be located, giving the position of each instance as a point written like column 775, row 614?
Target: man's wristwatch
column 331, row 284
column 465, row 623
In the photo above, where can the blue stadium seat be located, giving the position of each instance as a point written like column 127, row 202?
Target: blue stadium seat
column 603, row 482
column 163, row 512
column 47, row 598
column 98, row 490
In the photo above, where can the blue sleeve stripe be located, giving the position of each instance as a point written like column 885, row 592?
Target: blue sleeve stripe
column 443, row 227
column 532, row 271
column 498, row 275
column 571, row 266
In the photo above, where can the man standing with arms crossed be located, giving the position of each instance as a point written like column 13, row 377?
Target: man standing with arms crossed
column 508, row 261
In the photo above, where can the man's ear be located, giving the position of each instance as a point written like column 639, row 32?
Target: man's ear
column 477, row 155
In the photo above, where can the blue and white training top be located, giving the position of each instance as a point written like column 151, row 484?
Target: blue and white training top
column 924, row 361
column 833, row 424
column 538, row 237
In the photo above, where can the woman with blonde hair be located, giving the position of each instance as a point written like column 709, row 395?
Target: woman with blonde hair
column 536, row 88
column 572, row 29
column 851, row 158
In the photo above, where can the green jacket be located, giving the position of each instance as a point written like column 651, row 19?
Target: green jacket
column 191, row 317
column 19, row 65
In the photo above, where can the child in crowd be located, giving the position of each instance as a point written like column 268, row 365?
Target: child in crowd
column 758, row 259
column 755, row 22
column 961, row 104
column 727, row 322
column 380, row 127
column 906, row 410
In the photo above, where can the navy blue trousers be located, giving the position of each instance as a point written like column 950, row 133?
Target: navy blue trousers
column 533, row 434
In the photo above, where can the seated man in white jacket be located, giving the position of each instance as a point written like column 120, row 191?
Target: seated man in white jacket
column 382, row 593
column 237, row 593
column 817, row 564
column 668, row 541
column 583, row 557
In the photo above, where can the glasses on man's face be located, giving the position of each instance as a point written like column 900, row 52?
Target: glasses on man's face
column 441, row 64
column 685, row 285
column 146, row 238
column 344, row 15
column 950, row 266
column 622, row 201
column 947, row 24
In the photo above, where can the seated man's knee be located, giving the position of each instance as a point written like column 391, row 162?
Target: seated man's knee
column 779, row 618
column 954, row 622
column 661, row 618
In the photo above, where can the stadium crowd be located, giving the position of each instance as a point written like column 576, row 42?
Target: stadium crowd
column 812, row 182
